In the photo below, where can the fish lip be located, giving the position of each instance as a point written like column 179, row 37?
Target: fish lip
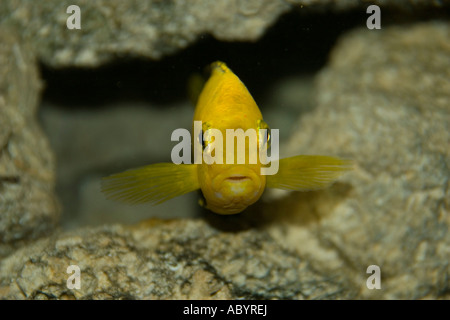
column 235, row 175
column 234, row 189
column 237, row 178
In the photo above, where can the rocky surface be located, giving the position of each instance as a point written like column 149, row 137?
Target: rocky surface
column 159, row 259
column 139, row 28
column 382, row 100
column 28, row 206
column 111, row 29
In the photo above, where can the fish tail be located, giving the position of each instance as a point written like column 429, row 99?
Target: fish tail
column 154, row 183
column 304, row 173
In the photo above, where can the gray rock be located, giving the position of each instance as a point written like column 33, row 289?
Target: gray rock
column 383, row 101
column 110, row 29
column 179, row 259
column 139, row 28
column 28, row 208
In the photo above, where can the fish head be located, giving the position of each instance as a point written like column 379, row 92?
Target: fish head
column 229, row 189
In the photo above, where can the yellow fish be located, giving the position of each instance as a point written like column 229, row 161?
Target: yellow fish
column 228, row 188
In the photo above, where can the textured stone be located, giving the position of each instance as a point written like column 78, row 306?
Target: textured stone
column 28, row 208
column 383, row 101
column 145, row 28
column 110, row 29
column 179, row 259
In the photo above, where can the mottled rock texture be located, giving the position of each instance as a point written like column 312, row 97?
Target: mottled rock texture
column 28, row 207
column 153, row 29
column 376, row 103
column 384, row 101
column 111, row 29
column 176, row 259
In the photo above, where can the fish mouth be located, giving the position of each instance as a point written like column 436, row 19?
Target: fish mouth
column 234, row 189
column 237, row 178
column 236, row 184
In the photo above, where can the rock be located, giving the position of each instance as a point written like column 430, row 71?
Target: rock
column 149, row 29
column 153, row 29
column 179, row 259
column 383, row 101
column 28, row 208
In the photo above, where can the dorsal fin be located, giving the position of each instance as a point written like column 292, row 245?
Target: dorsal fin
column 197, row 80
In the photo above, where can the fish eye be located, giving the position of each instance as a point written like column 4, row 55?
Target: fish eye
column 205, row 127
column 267, row 138
column 261, row 124
column 201, row 140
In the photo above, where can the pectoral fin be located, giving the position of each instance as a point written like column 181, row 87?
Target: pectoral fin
column 154, row 183
column 304, row 173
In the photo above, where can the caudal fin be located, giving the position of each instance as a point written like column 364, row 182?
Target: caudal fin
column 304, row 173
column 154, row 183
